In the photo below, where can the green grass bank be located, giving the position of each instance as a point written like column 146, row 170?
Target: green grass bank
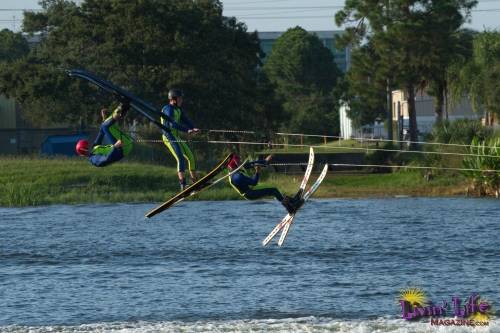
column 43, row 181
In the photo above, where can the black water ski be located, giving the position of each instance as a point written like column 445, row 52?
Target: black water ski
column 137, row 104
column 194, row 188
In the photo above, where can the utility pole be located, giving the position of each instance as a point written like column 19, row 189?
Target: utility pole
column 388, row 87
column 389, row 112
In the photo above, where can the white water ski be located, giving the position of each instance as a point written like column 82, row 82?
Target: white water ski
column 307, row 195
column 302, row 187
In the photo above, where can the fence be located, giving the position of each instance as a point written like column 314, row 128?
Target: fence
column 22, row 141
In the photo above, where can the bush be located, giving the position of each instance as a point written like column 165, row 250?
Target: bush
column 484, row 182
column 461, row 131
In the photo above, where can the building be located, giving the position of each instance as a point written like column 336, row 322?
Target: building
column 348, row 131
column 341, row 56
column 8, row 114
column 426, row 115
column 19, row 137
column 9, row 120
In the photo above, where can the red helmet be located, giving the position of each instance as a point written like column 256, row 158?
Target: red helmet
column 82, row 147
column 234, row 162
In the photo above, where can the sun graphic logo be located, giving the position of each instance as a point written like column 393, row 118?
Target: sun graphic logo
column 414, row 305
column 414, row 296
column 487, row 313
column 475, row 308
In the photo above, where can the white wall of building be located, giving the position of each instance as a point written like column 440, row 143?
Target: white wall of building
column 349, row 131
column 426, row 116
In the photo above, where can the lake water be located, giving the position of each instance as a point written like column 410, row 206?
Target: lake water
column 200, row 266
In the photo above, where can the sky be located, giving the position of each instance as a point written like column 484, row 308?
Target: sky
column 274, row 15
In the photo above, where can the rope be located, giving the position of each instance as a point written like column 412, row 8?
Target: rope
column 323, row 147
column 380, row 140
column 228, row 131
column 391, row 166
column 154, row 141
column 350, row 148
column 339, row 137
column 348, row 164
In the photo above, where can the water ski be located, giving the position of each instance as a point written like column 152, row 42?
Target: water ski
column 202, row 184
column 287, row 221
column 144, row 108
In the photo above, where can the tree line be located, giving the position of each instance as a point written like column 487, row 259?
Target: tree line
column 151, row 46
column 417, row 45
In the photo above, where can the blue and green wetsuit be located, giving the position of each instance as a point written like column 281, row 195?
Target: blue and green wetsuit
column 171, row 139
column 103, row 155
column 244, row 184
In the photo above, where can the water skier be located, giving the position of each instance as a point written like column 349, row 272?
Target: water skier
column 120, row 143
column 244, row 184
column 180, row 122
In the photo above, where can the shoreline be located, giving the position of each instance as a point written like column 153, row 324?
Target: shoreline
column 42, row 181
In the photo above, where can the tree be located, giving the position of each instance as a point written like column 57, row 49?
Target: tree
column 454, row 47
column 405, row 35
column 365, row 86
column 145, row 46
column 12, row 46
column 304, row 74
column 478, row 77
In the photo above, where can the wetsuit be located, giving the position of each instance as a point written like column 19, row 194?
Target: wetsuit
column 103, row 155
column 171, row 139
column 244, row 184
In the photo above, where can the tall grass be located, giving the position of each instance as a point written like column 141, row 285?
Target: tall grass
column 487, row 158
column 37, row 181
column 41, row 181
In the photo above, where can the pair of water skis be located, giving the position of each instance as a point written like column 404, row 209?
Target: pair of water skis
column 208, row 181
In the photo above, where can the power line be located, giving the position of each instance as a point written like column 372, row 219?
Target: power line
column 287, row 8
column 293, row 11
column 19, row 9
column 253, row 17
column 261, row 8
column 259, row 2
column 229, row 7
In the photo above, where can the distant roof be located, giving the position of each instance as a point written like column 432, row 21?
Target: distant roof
column 321, row 34
column 34, row 38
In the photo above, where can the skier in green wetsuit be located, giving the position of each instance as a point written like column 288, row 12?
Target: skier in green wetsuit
column 120, row 144
column 179, row 123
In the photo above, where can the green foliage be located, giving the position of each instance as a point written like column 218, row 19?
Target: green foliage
column 304, row 75
column 366, row 87
column 409, row 38
column 145, row 46
column 382, row 157
column 478, row 77
column 12, row 46
column 455, row 48
column 35, row 181
column 460, row 131
column 486, row 180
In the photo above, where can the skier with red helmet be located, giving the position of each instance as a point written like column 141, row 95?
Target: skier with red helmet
column 120, row 143
column 244, row 184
